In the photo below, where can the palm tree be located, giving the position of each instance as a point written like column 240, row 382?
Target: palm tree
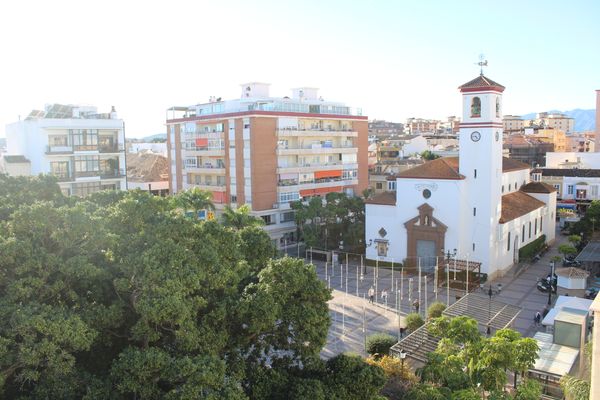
column 195, row 199
column 240, row 217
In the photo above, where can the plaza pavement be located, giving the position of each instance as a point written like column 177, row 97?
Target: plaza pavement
column 350, row 308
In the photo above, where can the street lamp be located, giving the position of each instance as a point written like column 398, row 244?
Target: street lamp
column 448, row 256
column 551, row 283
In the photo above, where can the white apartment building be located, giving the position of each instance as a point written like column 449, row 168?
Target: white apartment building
column 81, row 147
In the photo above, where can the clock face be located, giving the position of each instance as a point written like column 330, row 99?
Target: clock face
column 475, row 136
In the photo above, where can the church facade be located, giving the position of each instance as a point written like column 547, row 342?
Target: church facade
column 478, row 206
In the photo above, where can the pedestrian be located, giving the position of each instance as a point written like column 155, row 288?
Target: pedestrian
column 538, row 318
column 402, row 332
column 371, row 294
column 416, row 305
column 384, row 295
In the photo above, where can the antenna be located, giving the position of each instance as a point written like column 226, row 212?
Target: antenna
column 482, row 63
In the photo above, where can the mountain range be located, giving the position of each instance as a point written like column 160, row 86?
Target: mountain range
column 585, row 120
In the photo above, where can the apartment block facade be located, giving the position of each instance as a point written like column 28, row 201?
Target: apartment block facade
column 267, row 152
column 84, row 149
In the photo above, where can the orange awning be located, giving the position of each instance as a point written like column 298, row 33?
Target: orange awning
column 318, row 191
column 202, row 142
column 335, row 173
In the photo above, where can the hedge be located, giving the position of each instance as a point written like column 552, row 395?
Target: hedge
column 380, row 343
column 529, row 251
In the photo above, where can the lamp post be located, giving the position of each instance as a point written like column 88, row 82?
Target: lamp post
column 448, row 256
column 488, row 329
column 551, row 283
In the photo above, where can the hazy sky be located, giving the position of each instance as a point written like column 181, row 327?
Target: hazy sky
column 395, row 59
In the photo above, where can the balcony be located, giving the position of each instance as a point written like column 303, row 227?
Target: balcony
column 57, row 150
column 300, row 168
column 294, row 185
column 113, row 174
column 63, row 177
column 208, row 169
column 316, row 132
column 111, row 148
column 204, row 151
column 213, row 187
column 285, row 150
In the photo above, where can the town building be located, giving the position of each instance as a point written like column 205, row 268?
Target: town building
column 268, row 151
column 512, row 124
column 148, row 171
column 385, row 129
column 84, row 149
column 553, row 121
column 479, row 206
column 527, row 149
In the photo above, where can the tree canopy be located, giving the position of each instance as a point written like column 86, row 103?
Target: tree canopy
column 120, row 296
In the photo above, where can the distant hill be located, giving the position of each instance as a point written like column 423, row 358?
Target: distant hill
column 585, row 120
column 158, row 136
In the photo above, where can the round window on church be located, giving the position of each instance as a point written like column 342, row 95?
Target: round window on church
column 427, row 193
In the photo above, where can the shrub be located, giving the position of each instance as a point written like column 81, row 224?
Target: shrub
column 435, row 310
column 527, row 252
column 414, row 321
column 380, row 344
column 529, row 390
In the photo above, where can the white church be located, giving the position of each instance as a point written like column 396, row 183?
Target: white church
column 478, row 207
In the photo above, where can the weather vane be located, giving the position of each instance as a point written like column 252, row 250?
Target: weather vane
column 482, row 63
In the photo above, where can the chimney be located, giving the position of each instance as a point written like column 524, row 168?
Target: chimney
column 597, row 142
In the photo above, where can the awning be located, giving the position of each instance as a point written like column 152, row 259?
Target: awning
column 335, row 173
column 318, row 191
column 202, row 142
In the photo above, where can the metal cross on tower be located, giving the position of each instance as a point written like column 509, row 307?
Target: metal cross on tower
column 482, row 63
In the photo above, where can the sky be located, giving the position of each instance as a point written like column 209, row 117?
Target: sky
column 393, row 59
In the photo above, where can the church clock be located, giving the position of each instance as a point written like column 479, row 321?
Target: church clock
column 475, row 136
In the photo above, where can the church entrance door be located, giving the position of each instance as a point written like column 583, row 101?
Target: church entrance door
column 426, row 253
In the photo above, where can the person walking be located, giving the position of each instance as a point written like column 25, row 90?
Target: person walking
column 384, row 296
column 538, row 318
column 371, row 294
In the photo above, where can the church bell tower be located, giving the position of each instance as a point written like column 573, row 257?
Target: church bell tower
column 480, row 161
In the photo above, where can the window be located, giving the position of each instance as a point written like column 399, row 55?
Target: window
column 476, row 107
column 508, row 242
column 535, row 227
column 502, row 188
column 474, row 211
column 87, row 166
column 60, row 169
column 557, row 187
column 473, row 246
column 541, row 221
column 349, row 174
column 233, row 198
column 287, row 216
column 287, row 197
column 529, row 229
column 379, row 185
column 509, row 187
column 85, row 188
column 569, row 189
column 523, row 235
column 392, row 185
column 84, row 139
column 269, row 219
column 594, row 191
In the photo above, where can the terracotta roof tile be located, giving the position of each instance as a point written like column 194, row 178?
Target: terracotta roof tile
column 537, row 187
column 572, row 272
column 482, row 82
column 147, row 167
column 384, row 199
column 517, row 204
column 447, row 168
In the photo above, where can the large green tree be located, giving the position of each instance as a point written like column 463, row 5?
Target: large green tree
column 120, row 296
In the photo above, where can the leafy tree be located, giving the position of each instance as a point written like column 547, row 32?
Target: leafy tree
column 240, row 217
column 380, row 343
column 435, row 310
column 121, row 297
column 466, row 394
column 350, row 377
column 567, row 250
column 414, row 321
column 428, row 155
column 195, row 200
column 427, row 392
column 339, row 219
column 529, row 390
column 575, row 389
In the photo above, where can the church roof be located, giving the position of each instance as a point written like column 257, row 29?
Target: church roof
column 537, row 187
column 517, row 204
column 479, row 83
column 447, row 168
column 384, row 199
column 440, row 168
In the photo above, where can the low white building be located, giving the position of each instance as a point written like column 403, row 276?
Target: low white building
column 480, row 206
column 82, row 148
column 571, row 159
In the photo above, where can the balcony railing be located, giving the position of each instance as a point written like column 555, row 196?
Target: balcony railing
column 111, row 148
column 294, row 182
column 59, row 149
column 116, row 173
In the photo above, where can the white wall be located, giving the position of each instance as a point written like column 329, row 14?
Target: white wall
column 586, row 160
